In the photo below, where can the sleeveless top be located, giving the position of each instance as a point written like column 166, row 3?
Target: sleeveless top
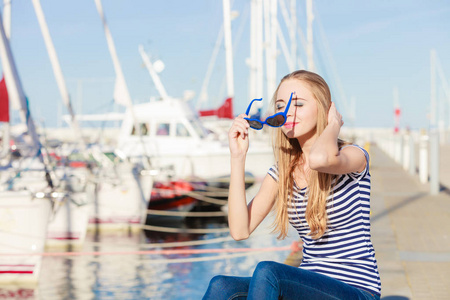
column 345, row 251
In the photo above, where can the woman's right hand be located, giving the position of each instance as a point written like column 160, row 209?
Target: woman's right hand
column 238, row 136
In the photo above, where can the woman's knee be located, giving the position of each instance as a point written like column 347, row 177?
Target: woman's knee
column 218, row 282
column 266, row 270
column 227, row 287
column 229, row 283
column 215, row 287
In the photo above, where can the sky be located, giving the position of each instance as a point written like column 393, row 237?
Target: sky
column 363, row 49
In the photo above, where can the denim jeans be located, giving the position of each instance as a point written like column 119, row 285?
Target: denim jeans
column 272, row 280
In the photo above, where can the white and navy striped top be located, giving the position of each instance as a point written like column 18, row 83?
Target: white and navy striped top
column 345, row 251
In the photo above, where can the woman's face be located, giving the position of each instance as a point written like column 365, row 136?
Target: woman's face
column 302, row 115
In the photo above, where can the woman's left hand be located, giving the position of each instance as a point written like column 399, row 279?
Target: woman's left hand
column 334, row 116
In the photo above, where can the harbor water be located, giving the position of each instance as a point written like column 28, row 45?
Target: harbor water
column 140, row 264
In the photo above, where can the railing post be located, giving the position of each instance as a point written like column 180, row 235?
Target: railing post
column 398, row 144
column 412, row 154
column 434, row 162
column 406, row 151
column 423, row 157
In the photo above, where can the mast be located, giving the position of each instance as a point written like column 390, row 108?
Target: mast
column 121, row 93
column 156, row 80
column 292, row 33
column 259, row 51
column 15, row 89
column 438, row 104
column 256, row 51
column 433, row 102
column 57, row 71
column 309, row 35
column 7, row 17
column 270, row 26
column 251, row 61
column 228, row 48
column 5, row 119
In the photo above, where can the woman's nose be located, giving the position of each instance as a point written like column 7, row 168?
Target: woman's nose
column 291, row 111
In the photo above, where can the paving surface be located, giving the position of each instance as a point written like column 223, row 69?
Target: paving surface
column 410, row 230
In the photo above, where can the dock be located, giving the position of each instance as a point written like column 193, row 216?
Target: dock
column 410, row 230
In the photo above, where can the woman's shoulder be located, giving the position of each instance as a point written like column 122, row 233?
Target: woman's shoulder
column 347, row 144
column 358, row 150
column 273, row 171
column 355, row 147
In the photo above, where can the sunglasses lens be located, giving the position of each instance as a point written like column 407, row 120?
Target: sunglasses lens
column 255, row 124
column 276, row 121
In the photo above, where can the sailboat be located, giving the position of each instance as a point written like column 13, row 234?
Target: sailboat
column 120, row 190
column 69, row 220
column 23, row 214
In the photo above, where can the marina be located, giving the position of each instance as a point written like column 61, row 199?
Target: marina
column 149, row 264
column 116, row 187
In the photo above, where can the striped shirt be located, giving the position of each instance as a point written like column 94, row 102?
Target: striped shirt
column 345, row 251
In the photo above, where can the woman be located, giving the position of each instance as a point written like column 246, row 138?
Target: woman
column 321, row 186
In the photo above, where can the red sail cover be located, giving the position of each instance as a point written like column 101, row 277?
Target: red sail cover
column 4, row 103
column 225, row 111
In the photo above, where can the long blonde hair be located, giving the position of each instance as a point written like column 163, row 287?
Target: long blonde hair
column 288, row 155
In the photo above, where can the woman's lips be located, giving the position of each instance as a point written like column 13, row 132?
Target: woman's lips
column 290, row 125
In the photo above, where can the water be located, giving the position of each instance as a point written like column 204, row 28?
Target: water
column 131, row 275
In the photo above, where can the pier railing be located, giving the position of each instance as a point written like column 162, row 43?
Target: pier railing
column 416, row 151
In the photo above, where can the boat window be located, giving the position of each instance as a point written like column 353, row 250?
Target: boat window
column 144, row 129
column 198, row 128
column 162, row 129
column 182, row 130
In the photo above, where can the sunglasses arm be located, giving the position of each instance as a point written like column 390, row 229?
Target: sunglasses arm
column 250, row 105
column 289, row 104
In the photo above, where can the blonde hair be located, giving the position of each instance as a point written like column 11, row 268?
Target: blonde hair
column 288, row 155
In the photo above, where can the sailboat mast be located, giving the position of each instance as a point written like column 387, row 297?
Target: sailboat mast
column 156, row 80
column 15, row 89
column 292, row 32
column 121, row 93
column 6, row 127
column 270, row 26
column 259, row 51
column 57, row 71
column 7, row 17
column 228, row 48
column 309, row 35
column 433, row 102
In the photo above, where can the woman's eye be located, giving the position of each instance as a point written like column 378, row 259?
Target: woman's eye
column 280, row 106
column 298, row 103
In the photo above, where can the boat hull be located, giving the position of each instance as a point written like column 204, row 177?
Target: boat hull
column 119, row 202
column 23, row 229
column 68, row 225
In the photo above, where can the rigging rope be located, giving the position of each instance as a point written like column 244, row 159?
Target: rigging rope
column 183, row 230
column 155, row 252
column 186, row 213
column 182, row 244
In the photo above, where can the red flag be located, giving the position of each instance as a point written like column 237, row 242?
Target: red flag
column 224, row 112
column 4, row 102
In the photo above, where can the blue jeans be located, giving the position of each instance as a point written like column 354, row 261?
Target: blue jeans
column 272, row 280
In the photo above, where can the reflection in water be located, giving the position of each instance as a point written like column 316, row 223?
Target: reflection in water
column 146, row 276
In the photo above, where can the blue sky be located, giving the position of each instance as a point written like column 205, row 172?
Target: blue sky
column 374, row 45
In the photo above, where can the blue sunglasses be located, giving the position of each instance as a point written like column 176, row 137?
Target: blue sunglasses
column 276, row 120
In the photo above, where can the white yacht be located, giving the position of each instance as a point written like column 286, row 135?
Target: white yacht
column 173, row 136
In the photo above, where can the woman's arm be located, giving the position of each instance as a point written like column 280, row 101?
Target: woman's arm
column 244, row 219
column 325, row 155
